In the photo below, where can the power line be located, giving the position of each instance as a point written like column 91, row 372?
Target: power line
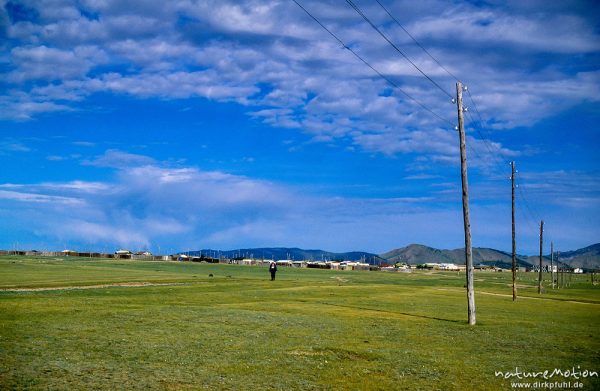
column 526, row 214
column 532, row 216
column 389, row 81
column 358, row 10
column 529, row 213
column 534, row 213
column 493, row 156
column 529, row 209
column 530, row 220
column 447, row 71
column 497, row 160
column 416, row 42
column 395, row 85
column 472, row 148
column 483, row 139
column 474, row 126
column 487, row 145
column 481, row 122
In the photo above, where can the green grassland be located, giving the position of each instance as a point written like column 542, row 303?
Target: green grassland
column 310, row 329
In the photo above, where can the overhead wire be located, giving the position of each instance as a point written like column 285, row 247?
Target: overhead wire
column 366, row 18
column 529, row 225
column 388, row 80
column 481, row 122
column 532, row 216
column 529, row 213
column 497, row 162
column 533, row 212
column 415, row 41
column 482, row 126
column 473, row 149
column 361, row 13
column 483, row 139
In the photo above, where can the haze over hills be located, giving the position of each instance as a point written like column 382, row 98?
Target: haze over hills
column 588, row 257
column 416, row 254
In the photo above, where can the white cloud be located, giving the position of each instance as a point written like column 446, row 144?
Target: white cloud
column 80, row 186
column 10, row 146
column 274, row 59
column 22, row 108
column 50, row 64
column 119, row 159
column 38, row 198
column 150, row 203
column 561, row 33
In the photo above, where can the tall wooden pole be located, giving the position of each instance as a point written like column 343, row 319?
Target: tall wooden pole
column 562, row 272
column 541, row 249
column 552, row 263
column 465, row 202
column 514, row 244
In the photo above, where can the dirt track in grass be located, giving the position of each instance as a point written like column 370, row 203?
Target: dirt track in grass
column 116, row 285
column 526, row 297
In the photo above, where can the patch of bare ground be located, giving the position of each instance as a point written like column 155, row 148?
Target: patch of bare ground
column 527, row 297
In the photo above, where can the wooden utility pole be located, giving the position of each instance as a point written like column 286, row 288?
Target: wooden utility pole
column 465, row 202
column 552, row 263
column 541, row 249
column 562, row 271
column 559, row 278
column 514, row 244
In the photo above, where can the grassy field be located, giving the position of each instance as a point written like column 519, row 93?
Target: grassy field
column 169, row 325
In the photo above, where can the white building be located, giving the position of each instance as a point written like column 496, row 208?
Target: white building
column 448, row 266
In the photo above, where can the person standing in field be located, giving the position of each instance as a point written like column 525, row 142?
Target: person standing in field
column 273, row 270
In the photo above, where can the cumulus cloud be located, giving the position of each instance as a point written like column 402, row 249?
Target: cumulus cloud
column 50, row 64
column 274, row 58
column 145, row 202
column 543, row 32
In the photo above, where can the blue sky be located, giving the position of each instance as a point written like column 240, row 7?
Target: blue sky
column 187, row 124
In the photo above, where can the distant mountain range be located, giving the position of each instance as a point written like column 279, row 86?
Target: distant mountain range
column 416, row 254
column 587, row 258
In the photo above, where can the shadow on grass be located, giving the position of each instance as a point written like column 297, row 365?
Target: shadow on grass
column 393, row 312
